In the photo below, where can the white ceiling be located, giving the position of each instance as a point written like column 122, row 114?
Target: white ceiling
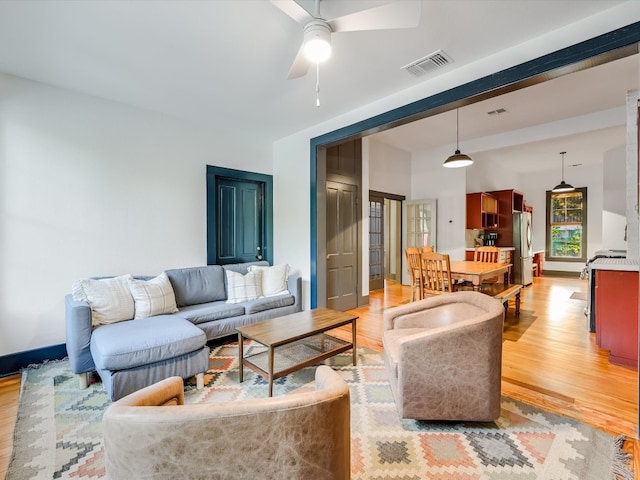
column 586, row 111
column 225, row 62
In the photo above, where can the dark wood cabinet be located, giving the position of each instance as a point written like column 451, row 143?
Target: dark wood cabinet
column 509, row 201
column 616, row 305
column 482, row 211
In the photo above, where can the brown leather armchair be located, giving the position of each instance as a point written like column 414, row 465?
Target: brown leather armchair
column 443, row 355
column 153, row 434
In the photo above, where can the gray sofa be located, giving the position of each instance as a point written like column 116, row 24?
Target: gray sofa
column 129, row 355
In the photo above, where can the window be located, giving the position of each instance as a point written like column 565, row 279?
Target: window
column 567, row 226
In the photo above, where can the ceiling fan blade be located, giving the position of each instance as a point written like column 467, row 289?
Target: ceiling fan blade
column 300, row 65
column 294, row 10
column 405, row 14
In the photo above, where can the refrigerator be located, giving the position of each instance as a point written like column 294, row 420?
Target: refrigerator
column 523, row 254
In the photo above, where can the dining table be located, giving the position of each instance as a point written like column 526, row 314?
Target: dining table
column 478, row 272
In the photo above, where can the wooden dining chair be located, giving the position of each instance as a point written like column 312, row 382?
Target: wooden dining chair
column 427, row 249
column 487, row 255
column 436, row 272
column 414, row 264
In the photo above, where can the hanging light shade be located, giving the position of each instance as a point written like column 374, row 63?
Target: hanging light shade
column 457, row 159
column 563, row 186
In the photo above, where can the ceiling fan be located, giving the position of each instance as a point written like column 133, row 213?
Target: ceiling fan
column 316, row 46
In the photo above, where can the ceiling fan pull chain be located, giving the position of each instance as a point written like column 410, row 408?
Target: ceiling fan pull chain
column 317, row 84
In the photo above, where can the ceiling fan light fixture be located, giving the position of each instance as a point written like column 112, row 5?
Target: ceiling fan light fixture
column 317, row 41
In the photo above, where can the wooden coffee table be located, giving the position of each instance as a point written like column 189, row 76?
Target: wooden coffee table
column 294, row 341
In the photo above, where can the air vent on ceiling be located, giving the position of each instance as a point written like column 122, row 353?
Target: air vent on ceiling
column 427, row 64
column 497, row 111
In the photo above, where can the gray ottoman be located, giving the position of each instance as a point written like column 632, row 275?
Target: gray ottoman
column 133, row 354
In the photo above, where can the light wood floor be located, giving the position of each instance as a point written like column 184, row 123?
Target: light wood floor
column 549, row 360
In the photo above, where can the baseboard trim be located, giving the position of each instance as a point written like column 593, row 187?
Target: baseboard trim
column 560, row 273
column 13, row 363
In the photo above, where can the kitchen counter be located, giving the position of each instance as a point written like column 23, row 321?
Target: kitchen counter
column 470, row 249
column 618, row 264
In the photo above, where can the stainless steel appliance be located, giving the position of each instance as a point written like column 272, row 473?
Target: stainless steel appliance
column 491, row 239
column 523, row 254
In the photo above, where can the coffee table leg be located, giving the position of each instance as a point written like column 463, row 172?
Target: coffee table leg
column 270, row 371
column 353, row 341
column 240, row 356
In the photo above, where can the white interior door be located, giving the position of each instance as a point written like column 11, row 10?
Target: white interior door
column 419, row 220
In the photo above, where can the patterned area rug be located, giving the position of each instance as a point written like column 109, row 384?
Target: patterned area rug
column 58, row 432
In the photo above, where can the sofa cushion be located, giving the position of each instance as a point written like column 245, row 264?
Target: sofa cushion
column 197, row 284
column 207, row 312
column 143, row 341
column 242, row 288
column 274, row 279
column 243, row 268
column 267, row 303
column 109, row 298
column 152, row 297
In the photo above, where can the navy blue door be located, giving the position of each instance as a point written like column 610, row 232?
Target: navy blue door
column 239, row 218
column 239, row 229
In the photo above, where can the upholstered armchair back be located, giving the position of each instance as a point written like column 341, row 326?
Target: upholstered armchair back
column 153, row 434
column 443, row 355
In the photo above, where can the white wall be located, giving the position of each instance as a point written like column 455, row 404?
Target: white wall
column 633, row 238
column 91, row 187
column 448, row 186
column 389, row 169
column 489, row 172
column 614, row 216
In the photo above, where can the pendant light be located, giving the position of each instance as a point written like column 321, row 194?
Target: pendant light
column 563, row 186
column 457, row 159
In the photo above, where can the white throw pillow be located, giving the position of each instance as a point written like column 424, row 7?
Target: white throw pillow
column 274, row 279
column 242, row 288
column 153, row 297
column 109, row 298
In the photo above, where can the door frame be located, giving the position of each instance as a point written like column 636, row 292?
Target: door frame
column 401, row 199
column 379, row 285
column 601, row 49
column 212, row 177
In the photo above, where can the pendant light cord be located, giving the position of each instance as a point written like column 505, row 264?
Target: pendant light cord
column 317, row 84
column 457, row 128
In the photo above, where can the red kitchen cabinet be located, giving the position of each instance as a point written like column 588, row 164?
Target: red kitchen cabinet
column 616, row 304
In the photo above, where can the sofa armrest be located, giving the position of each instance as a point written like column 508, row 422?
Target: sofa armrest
column 294, row 285
column 78, row 330
column 167, row 392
